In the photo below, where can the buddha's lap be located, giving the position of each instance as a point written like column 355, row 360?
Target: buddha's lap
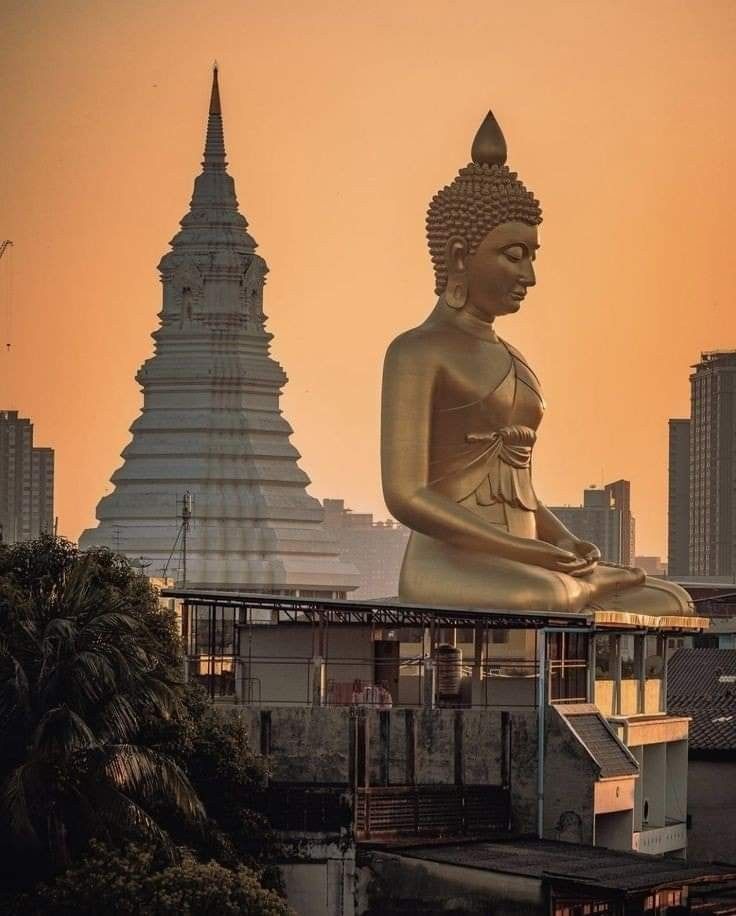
column 434, row 572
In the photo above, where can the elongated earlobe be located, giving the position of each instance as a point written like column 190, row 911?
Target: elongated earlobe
column 456, row 293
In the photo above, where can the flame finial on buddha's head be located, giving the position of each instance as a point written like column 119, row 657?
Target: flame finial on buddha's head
column 484, row 194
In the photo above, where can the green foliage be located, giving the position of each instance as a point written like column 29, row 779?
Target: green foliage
column 212, row 748
column 107, row 759
column 131, row 882
column 85, row 658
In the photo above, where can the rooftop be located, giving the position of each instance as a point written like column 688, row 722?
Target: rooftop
column 297, row 610
column 702, row 684
column 595, row 866
column 611, row 757
column 302, row 610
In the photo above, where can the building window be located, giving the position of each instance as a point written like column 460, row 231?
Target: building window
column 659, row 903
column 604, row 658
column 579, row 908
column 213, row 647
column 627, row 649
column 568, row 667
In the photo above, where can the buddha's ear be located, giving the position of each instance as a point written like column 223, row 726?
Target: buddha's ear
column 456, row 254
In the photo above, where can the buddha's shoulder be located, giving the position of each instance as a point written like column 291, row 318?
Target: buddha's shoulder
column 421, row 342
column 515, row 352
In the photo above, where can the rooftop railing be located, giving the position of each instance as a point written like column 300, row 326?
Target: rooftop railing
column 369, row 682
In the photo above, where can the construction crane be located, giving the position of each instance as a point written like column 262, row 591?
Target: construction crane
column 4, row 245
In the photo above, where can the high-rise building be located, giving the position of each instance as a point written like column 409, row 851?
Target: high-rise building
column 678, row 515
column 376, row 549
column 652, row 566
column 26, row 481
column 605, row 519
column 210, row 492
column 620, row 492
column 713, row 464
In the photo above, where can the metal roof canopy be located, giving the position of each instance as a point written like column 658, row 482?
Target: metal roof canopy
column 294, row 610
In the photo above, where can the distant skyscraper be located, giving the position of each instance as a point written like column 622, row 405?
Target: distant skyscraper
column 620, row 492
column 376, row 549
column 211, row 439
column 678, row 516
column 713, row 465
column 605, row 519
column 652, row 566
column 26, row 481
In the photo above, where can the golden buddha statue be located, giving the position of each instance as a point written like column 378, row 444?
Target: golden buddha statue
column 460, row 413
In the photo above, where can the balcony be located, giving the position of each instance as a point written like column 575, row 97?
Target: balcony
column 658, row 840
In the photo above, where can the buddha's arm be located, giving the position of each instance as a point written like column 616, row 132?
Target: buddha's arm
column 551, row 529
column 409, row 378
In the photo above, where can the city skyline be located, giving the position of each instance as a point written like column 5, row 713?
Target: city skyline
column 336, row 190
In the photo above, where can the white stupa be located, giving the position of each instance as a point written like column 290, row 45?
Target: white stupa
column 211, row 426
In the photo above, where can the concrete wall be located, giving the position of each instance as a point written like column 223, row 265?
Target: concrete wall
column 676, row 791
column 654, row 784
column 308, row 744
column 406, row 746
column 569, row 784
column 277, row 660
column 397, row 884
column 614, row 830
column 324, row 886
column 524, row 772
column 712, row 808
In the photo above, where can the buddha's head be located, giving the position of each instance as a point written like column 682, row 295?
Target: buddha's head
column 482, row 232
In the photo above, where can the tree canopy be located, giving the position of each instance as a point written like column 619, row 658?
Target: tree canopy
column 101, row 740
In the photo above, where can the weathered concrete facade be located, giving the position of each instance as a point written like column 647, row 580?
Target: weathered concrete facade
column 404, row 747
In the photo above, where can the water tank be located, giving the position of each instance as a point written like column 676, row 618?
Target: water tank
column 449, row 670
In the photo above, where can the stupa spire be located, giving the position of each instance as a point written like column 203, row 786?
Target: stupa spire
column 214, row 147
column 212, row 426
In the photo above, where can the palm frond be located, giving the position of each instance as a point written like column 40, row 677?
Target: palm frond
column 15, row 695
column 118, row 719
column 119, row 811
column 153, row 776
column 63, row 629
column 14, row 801
column 60, row 733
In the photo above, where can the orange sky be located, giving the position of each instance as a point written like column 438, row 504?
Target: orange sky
column 341, row 120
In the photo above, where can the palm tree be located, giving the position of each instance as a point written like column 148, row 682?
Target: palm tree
column 81, row 668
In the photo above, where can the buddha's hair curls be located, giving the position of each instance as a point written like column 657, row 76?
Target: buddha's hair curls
column 482, row 197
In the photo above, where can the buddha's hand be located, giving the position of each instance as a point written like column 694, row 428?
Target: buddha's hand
column 550, row 556
column 583, row 549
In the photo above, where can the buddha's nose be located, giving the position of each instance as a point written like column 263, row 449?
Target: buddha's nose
column 528, row 277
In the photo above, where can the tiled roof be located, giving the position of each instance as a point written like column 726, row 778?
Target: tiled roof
column 592, row 865
column 706, row 674
column 713, row 728
column 701, row 683
column 601, row 743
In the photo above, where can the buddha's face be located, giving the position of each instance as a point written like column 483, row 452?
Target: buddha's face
column 500, row 271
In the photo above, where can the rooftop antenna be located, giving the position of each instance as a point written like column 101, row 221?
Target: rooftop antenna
column 181, row 535
column 186, row 515
column 4, row 245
